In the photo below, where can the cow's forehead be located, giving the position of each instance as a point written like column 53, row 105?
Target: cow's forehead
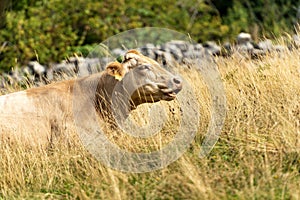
column 138, row 57
column 131, row 55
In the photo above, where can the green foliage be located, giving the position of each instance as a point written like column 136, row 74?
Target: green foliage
column 270, row 18
column 274, row 17
column 237, row 19
column 49, row 31
column 3, row 7
column 32, row 34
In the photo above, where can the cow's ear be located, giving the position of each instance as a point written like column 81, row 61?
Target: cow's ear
column 116, row 70
column 134, row 51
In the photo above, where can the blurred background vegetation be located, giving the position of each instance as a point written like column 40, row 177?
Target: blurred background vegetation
column 48, row 31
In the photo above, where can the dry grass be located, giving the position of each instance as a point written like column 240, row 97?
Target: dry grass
column 257, row 156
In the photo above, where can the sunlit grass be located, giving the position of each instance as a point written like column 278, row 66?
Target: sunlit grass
column 257, row 156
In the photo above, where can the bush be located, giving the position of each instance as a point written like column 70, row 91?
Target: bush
column 48, row 31
column 269, row 18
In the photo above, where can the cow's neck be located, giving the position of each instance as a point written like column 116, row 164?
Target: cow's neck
column 104, row 102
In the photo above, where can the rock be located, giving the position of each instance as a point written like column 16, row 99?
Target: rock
column 212, row 48
column 280, row 48
column 37, row 68
column 244, row 44
column 189, row 51
column 198, row 47
column 182, row 45
column 35, row 71
column 168, row 59
column 200, row 51
column 118, row 51
column 257, row 53
column 63, row 69
column 148, row 50
column 159, row 56
column 104, row 61
column 296, row 40
column 174, row 50
column 182, row 52
column 266, row 45
column 245, row 47
column 89, row 66
column 243, row 38
column 75, row 59
column 227, row 49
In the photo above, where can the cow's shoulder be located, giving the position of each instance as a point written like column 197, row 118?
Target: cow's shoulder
column 59, row 87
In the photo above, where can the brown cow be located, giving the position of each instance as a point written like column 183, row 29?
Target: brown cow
column 39, row 115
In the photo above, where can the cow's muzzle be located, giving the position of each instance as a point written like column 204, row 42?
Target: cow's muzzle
column 173, row 87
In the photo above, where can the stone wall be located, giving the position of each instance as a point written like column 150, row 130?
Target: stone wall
column 179, row 51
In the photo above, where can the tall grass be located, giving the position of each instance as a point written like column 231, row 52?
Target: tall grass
column 256, row 157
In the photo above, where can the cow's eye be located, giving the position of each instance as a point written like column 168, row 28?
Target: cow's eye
column 127, row 59
column 145, row 67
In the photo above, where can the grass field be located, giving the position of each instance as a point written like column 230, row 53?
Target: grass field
column 256, row 157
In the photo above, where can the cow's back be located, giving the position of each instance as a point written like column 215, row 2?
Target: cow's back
column 36, row 116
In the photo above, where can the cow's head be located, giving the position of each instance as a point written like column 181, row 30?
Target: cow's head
column 143, row 79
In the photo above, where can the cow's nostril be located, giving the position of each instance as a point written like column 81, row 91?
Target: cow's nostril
column 177, row 80
column 177, row 84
